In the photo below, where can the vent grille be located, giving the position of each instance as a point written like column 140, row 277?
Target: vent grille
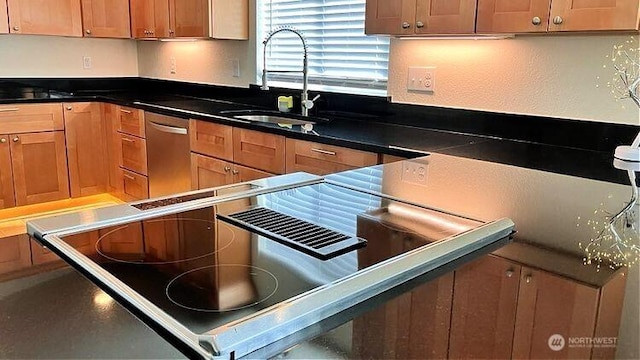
column 311, row 239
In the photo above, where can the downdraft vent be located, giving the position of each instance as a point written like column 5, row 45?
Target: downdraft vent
column 311, row 239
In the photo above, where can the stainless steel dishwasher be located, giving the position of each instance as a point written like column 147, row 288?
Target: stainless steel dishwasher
column 168, row 157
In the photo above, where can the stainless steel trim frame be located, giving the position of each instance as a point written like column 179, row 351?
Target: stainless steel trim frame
column 189, row 112
column 265, row 327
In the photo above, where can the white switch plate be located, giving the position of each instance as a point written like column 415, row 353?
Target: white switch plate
column 172, row 65
column 236, row 67
column 86, row 62
column 422, row 78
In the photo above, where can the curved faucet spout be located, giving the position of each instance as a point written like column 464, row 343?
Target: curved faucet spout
column 305, row 66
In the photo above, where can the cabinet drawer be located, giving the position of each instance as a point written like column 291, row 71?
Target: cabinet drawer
column 134, row 153
column 259, row 150
column 14, row 253
column 135, row 186
column 211, row 139
column 17, row 119
column 131, row 121
column 324, row 159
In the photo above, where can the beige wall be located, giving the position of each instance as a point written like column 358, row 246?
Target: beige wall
column 52, row 56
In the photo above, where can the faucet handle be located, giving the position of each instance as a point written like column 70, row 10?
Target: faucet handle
column 308, row 104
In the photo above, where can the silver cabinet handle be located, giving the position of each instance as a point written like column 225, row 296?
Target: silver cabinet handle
column 168, row 129
column 227, row 169
column 128, row 140
column 419, row 24
column 536, row 21
column 406, row 25
column 9, row 110
column 235, row 172
column 126, row 111
column 127, row 176
column 16, row 139
column 324, row 152
column 558, row 20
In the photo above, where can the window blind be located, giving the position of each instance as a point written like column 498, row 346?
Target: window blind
column 340, row 54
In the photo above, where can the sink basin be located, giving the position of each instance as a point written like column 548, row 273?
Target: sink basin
column 273, row 117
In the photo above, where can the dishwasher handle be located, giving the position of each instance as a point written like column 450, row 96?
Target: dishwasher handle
column 168, row 129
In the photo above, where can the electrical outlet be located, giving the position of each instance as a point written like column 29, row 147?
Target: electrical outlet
column 235, row 64
column 172, row 65
column 414, row 172
column 422, row 79
column 86, row 62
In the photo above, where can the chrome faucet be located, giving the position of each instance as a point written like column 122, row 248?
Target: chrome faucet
column 306, row 104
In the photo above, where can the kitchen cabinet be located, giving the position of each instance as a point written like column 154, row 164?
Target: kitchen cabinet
column 4, row 18
column 229, row 19
column 528, row 16
column 39, row 163
column 130, row 121
column 208, row 172
column 86, row 149
column 14, row 253
column 321, row 159
column 7, row 197
column 415, row 17
column 259, row 150
column 149, row 18
column 51, row 17
column 189, row 18
column 127, row 153
column 483, row 317
column 106, row 18
column 134, row 153
column 134, row 186
column 110, row 114
column 18, row 118
column 211, row 139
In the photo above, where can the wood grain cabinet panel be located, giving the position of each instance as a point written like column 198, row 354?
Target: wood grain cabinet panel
column 244, row 173
column 15, row 253
column 483, row 317
column 211, row 139
column 150, row 18
column 321, row 159
column 50, row 17
column 134, row 154
column 4, row 18
column 548, row 305
column 388, row 17
column 110, row 114
column 39, row 163
column 208, row 172
column 18, row 118
column 106, row 18
column 513, row 16
column 259, row 150
column 582, row 15
column 86, row 149
column 230, row 20
column 130, row 121
column 7, row 197
column 189, row 18
column 445, row 16
column 134, row 186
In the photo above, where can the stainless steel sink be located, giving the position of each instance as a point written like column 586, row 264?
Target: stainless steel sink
column 273, row 117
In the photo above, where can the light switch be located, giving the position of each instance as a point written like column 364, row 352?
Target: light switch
column 422, row 78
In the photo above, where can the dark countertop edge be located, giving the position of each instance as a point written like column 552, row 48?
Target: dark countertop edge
column 473, row 150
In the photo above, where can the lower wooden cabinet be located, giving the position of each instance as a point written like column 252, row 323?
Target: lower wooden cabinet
column 7, row 197
column 15, row 253
column 208, row 172
column 259, row 150
column 86, row 149
column 134, row 186
column 321, row 159
column 39, row 163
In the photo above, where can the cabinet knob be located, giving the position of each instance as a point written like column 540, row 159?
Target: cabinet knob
column 536, row 20
column 235, row 172
column 16, row 139
column 227, row 169
column 528, row 279
column 16, row 28
column 419, row 24
column 406, row 25
column 558, row 20
column 88, row 32
column 3, row 140
column 69, row 108
column 509, row 273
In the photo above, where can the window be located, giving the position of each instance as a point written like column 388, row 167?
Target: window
column 340, row 54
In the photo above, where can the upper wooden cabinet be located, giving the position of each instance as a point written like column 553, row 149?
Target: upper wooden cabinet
column 529, row 16
column 189, row 18
column 106, row 18
column 4, row 18
column 51, row 17
column 409, row 17
column 229, row 19
column 149, row 18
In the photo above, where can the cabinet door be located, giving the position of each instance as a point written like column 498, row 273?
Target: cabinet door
column 112, row 144
column 189, row 18
column 512, row 16
column 243, row 174
column 106, row 18
column 86, row 152
column 18, row 118
column 445, row 16
column 149, row 18
column 579, row 15
column 4, row 18
column 130, row 121
column 39, row 167
column 549, row 305
column 321, row 159
column 259, row 150
column 134, row 154
column 395, row 17
column 45, row 17
column 207, row 172
column 483, row 316
column 7, row 198
column 211, row 139
column 14, row 253
column 134, row 186
column 230, row 19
